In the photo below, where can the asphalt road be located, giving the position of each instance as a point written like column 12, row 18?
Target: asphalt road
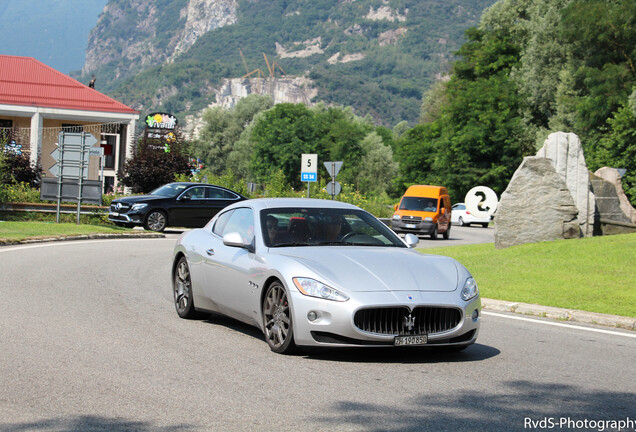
column 461, row 235
column 90, row 341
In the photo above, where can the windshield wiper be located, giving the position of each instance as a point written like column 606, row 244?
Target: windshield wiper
column 291, row 244
column 330, row 243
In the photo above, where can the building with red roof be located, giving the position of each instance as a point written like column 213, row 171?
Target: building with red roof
column 37, row 102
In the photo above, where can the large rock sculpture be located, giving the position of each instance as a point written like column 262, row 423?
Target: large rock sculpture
column 536, row 206
column 566, row 154
column 625, row 212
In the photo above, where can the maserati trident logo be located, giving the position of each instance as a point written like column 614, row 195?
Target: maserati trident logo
column 409, row 322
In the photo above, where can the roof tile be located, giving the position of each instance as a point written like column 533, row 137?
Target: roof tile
column 27, row 82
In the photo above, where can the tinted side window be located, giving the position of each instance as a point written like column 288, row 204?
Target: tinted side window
column 213, row 193
column 242, row 221
column 229, row 195
column 216, row 193
column 196, row 192
column 221, row 223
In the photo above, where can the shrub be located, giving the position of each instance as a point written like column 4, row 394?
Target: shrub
column 17, row 168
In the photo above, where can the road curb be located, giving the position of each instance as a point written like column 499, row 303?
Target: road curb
column 559, row 313
column 97, row 236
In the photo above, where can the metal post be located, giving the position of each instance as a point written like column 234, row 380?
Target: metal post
column 81, row 176
column 308, row 183
column 60, row 144
column 333, row 180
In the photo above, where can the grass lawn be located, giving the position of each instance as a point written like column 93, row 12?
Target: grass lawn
column 18, row 231
column 596, row 274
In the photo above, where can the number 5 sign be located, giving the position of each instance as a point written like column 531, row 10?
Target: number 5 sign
column 309, row 168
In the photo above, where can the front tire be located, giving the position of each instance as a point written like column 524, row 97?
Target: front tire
column 446, row 234
column 277, row 320
column 156, row 221
column 182, row 290
column 434, row 233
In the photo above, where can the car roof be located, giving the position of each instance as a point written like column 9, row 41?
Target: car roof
column 265, row 203
column 205, row 184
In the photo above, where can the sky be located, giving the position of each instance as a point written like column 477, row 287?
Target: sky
column 54, row 32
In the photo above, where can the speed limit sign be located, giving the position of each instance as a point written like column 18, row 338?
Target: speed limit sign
column 309, row 168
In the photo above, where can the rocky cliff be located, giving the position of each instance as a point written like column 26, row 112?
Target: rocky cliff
column 137, row 31
column 377, row 56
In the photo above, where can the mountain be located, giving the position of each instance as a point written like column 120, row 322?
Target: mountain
column 54, row 32
column 377, row 56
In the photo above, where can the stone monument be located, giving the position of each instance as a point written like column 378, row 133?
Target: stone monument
column 536, row 206
column 566, row 154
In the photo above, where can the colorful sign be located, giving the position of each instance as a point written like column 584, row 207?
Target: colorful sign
column 161, row 121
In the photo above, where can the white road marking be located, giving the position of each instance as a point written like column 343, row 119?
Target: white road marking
column 70, row 242
column 558, row 324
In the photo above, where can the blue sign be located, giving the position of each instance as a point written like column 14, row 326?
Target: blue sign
column 308, row 177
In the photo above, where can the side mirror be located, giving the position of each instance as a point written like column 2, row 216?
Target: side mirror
column 411, row 240
column 395, row 207
column 184, row 198
column 443, row 210
column 235, row 239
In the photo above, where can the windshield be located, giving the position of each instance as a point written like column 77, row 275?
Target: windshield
column 324, row 227
column 419, row 204
column 169, row 190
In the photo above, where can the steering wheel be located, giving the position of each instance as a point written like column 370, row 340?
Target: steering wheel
column 350, row 234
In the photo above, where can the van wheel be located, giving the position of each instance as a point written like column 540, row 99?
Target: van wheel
column 434, row 233
column 446, row 234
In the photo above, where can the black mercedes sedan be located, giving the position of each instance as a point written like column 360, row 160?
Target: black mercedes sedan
column 189, row 205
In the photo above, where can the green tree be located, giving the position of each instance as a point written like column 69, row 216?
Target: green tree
column 279, row 138
column 223, row 128
column 416, row 154
column 478, row 137
column 155, row 162
column 603, row 41
column 377, row 167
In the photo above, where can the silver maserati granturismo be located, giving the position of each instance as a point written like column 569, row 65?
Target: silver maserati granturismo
column 317, row 273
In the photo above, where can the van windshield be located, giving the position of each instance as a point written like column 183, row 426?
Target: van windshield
column 419, row 204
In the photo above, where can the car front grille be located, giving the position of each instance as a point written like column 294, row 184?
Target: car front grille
column 411, row 219
column 119, row 207
column 403, row 321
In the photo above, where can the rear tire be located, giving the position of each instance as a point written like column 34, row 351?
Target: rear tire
column 485, row 225
column 461, row 221
column 182, row 291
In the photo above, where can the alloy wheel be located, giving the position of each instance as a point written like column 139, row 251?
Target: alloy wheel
column 277, row 319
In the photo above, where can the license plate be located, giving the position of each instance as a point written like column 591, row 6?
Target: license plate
column 411, row 226
column 114, row 214
column 411, row 340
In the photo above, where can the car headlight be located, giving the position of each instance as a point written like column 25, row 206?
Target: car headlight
column 396, row 217
column 313, row 288
column 139, row 206
column 470, row 289
column 428, row 219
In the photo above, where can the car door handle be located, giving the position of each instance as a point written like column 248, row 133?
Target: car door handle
column 210, row 251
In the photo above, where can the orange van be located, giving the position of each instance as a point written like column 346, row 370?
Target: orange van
column 423, row 210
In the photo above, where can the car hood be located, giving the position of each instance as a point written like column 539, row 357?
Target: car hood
column 364, row 269
column 138, row 198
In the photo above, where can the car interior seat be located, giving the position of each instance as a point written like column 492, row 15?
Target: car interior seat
column 298, row 229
